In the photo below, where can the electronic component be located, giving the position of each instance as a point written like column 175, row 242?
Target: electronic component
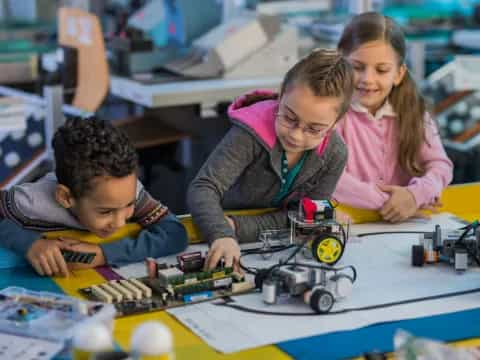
column 78, row 257
column 170, row 287
column 152, row 267
column 190, row 262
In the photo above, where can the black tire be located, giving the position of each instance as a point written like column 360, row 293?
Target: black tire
column 321, row 301
column 418, row 255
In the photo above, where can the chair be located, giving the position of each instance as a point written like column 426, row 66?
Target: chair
column 153, row 139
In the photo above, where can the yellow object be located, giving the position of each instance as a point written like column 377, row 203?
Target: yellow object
column 85, row 236
column 155, row 357
column 359, row 216
column 133, row 229
column 461, row 200
column 327, row 249
column 81, row 354
column 192, row 230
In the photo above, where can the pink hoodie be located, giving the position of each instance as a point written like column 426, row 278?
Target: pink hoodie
column 260, row 116
column 372, row 160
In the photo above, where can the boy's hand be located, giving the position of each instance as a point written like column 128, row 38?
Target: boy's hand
column 46, row 257
column 400, row 206
column 81, row 246
column 226, row 248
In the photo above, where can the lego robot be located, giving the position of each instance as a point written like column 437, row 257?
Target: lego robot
column 319, row 286
column 313, row 224
column 459, row 247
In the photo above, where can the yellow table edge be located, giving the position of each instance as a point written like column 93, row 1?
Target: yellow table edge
column 458, row 199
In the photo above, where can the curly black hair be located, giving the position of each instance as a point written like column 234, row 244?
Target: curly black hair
column 88, row 148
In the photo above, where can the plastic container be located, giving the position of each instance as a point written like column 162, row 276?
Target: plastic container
column 47, row 315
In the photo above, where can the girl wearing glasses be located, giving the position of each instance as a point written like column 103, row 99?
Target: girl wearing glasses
column 280, row 148
column 396, row 161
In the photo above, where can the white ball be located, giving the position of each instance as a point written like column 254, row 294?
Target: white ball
column 34, row 139
column 456, row 126
column 152, row 338
column 461, row 108
column 475, row 113
column 12, row 159
column 92, row 336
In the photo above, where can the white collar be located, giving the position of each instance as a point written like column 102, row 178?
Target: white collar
column 385, row 110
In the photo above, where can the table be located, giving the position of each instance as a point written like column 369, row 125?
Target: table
column 462, row 200
column 204, row 92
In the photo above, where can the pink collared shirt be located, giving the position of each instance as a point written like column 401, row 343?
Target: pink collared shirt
column 372, row 160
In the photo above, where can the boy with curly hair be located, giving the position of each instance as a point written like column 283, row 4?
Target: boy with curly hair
column 94, row 188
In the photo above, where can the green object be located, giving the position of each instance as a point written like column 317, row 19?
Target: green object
column 288, row 177
column 23, row 46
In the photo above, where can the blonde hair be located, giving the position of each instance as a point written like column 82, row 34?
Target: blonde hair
column 405, row 98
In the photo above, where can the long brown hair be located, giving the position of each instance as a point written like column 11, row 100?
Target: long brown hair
column 327, row 73
column 405, row 98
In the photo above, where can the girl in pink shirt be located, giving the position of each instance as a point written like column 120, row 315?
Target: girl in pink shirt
column 396, row 162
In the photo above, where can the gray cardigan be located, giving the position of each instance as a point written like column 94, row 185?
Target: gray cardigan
column 244, row 173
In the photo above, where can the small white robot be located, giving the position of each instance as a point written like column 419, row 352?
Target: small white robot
column 319, row 286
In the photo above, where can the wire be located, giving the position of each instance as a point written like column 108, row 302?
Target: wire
column 270, row 250
column 392, row 232
column 347, row 310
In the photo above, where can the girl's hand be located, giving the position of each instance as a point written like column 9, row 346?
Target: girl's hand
column 400, row 206
column 230, row 222
column 430, row 208
column 226, row 248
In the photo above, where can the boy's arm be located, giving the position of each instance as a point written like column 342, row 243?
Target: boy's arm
column 16, row 238
column 44, row 255
column 163, row 237
column 439, row 169
column 162, row 234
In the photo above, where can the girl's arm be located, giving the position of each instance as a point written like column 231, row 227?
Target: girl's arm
column 321, row 187
column 359, row 194
column 221, row 170
column 439, row 169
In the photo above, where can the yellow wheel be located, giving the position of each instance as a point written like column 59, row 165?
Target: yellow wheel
column 327, row 249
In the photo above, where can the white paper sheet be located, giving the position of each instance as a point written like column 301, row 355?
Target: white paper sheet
column 24, row 348
column 385, row 275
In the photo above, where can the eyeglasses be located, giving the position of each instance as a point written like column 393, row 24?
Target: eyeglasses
column 291, row 123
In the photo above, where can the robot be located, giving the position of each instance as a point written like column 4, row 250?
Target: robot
column 319, row 286
column 313, row 224
column 459, row 247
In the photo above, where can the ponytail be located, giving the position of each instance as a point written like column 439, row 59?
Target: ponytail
column 410, row 108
